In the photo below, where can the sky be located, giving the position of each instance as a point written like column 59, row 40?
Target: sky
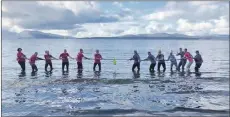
column 116, row 18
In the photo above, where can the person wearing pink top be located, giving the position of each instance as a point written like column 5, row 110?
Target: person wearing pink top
column 65, row 61
column 21, row 58
column 97, row 60
column 33, row 58
column 79, row 58
column 189, row 57
column 48, row 57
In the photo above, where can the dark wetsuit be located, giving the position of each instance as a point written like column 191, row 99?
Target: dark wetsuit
column 21, row 61
column 65, row 61
column 136, row 63
column 198, row 59
column 182, row 61
column 153, row 63
column 48, row 62
column 161, row 61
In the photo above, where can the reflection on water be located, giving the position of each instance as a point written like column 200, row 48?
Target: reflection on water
column 115, row 90
column 152, row 74
column 79, row 74
column 48, row 74
column 22, row 75
column 160, row 74
column 136, row 74
column 97, row 74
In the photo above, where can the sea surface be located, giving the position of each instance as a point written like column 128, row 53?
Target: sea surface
column 116, row 90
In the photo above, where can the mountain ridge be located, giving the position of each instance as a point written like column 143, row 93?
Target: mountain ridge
column 42, row 35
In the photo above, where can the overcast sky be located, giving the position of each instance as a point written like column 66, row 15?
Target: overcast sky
column 100, row 18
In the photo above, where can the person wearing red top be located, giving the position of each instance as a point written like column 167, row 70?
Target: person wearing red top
column 189, row 57
column 33, row 58
column 48, row 59
column 97, row 58
column 79, row 59
column 21, row 58
column 65, row 62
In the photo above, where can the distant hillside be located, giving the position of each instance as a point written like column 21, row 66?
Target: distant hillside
column 9, row 35
column 148, row 36
column 162, row 36
column 215, row 37
column 41, row 35
column 167, row 36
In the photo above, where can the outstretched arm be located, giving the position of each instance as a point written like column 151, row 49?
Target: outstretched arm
column 24, row 56
column 168, row 58
column 60, row 57
column 145, row 59
column 71, row 57
column 86, row 58
column 178, row 54
column 157, row 58
column 40, row 58
column 54, row 58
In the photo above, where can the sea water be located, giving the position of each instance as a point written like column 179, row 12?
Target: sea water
column 116, row 90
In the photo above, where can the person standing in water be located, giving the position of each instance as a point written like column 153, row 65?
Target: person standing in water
column 79, row 59
column 198, row 59
column 97, row 60
column 33, row 58
column 182, row 60
column 153, row 62
column 48, row 59
column 172, row 58
column 161, row 61
column 65, row 62
column 137, row 61
column 189, row 57
column 21, row 58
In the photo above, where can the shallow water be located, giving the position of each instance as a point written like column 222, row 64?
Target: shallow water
column 115, row 90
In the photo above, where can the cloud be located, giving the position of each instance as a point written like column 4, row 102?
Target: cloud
column 219, row 26
column 118, row 4
column 155, row 27
column 105, row 29
column 75, row 6
column 189, row 28
column 54, row 14
column 194, row 11
column 58, row 32
column 192, row 18
column 162, row 15
column 86, row 19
